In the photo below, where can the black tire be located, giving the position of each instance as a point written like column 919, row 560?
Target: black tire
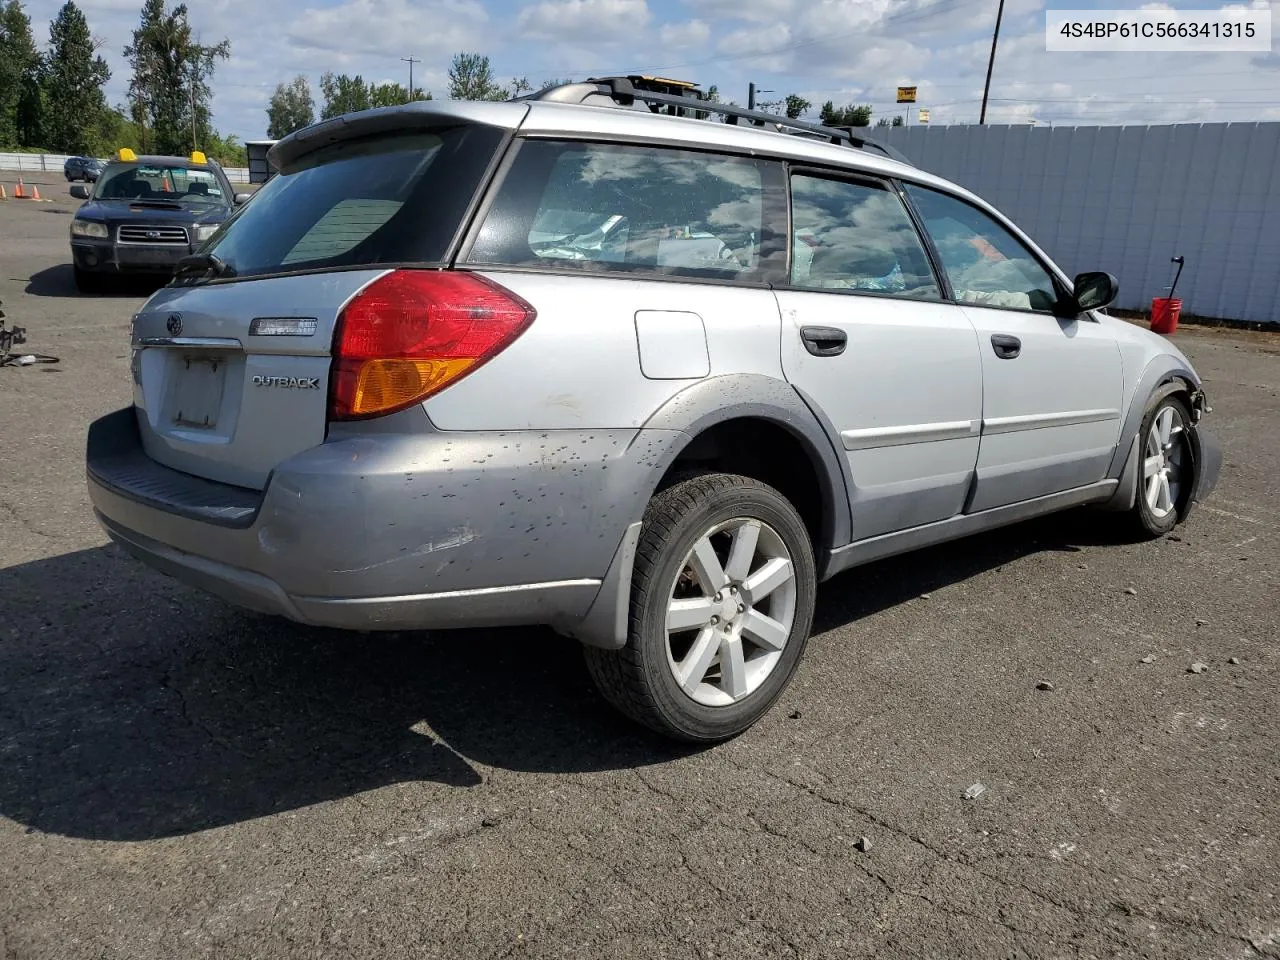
column 638, row 678
column 88, row 282
column 1144, row 519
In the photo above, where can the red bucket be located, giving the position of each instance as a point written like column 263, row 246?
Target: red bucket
column 1164, row 315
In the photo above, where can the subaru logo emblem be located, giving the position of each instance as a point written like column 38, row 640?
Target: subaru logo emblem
column 153, row 234
column 174, row 324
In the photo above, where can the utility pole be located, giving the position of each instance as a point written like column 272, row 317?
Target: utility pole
column 194, row 146
column 986, row 90
column 410, row 61
column 751, row 95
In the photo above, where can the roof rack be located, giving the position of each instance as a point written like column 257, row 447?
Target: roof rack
column 658, row 92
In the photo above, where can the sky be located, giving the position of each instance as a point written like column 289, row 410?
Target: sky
column 847, row 51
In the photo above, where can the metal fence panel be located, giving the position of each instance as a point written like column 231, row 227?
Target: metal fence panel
column 1128, row 198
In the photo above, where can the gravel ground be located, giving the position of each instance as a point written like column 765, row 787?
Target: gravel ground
column 178, row 779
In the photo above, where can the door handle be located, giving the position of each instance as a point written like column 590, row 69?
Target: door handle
column 824, row 341
column 1006, row 347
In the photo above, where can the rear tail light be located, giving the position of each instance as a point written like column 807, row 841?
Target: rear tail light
column 411, row 333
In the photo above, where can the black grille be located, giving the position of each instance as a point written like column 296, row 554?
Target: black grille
column 134, row 233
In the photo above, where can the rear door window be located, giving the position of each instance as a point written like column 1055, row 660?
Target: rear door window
column 389, row 199
column 856, row 235
column 603, row 207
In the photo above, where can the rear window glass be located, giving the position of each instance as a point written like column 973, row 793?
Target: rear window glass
column 379, row 200
column 621, row 208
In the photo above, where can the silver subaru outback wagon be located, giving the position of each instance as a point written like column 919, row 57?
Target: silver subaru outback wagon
column 644, row 378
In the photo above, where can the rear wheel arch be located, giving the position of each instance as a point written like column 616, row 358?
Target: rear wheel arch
column 740, row 424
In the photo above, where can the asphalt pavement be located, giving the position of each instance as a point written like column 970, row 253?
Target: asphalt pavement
column 180, row 779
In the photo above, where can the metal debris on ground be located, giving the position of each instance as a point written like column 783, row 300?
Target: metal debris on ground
column 1233, row 660
column 1197, row 667
column 863, row 844
column 1200, row 623
column 1046, row 685
column 1149, row 659
column 1131, row 591
column 974, row 792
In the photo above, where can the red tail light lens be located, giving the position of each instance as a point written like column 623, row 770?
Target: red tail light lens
column 412, row 333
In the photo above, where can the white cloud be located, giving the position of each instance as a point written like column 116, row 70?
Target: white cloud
column 680, row 36
column 380, row 26
column 576, row 20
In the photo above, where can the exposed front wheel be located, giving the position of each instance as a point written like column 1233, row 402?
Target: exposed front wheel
column 722, row 602
column 1167, row 467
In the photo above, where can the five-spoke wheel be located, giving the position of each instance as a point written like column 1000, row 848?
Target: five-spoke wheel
column 721, row 604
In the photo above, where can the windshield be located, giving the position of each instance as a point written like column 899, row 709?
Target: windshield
column 397, row 198
column 167, row 184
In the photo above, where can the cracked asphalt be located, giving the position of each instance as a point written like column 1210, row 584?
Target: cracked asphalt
column 179, row 779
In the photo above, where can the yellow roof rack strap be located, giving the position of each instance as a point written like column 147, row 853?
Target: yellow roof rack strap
column 125, row 154
column 198, row 157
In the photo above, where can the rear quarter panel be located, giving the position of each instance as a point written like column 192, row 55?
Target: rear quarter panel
column 578, row 365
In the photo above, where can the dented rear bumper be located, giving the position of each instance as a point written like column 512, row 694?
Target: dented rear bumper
column 389, row 531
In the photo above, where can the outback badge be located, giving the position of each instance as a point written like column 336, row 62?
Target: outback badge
column 291, row 383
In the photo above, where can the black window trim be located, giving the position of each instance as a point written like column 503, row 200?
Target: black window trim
column 1060, row 287
column 878, row 181
column 768, row 280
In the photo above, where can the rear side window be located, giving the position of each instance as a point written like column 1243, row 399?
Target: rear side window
column 377, row 200
column 856, row 235
column 986, row 264
column 601, row 207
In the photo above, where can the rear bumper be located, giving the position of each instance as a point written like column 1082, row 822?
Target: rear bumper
column 385, row 531
column 556, row 603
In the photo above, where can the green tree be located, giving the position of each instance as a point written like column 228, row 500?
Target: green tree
column 394, row 94
column 848, row 116
column 343, row 94
column 471, row 78
column 169, row 94
column 21, row 73
column 291, row 108
column 796, row 106
column 228, row 150
column 74, row 77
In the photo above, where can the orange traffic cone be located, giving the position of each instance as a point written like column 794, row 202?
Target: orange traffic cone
column 35, row 193
column 17, row 191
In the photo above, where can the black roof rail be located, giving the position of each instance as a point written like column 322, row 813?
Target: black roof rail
column 625, row 91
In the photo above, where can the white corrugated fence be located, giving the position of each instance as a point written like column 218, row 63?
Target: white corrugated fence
column 52, row 163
